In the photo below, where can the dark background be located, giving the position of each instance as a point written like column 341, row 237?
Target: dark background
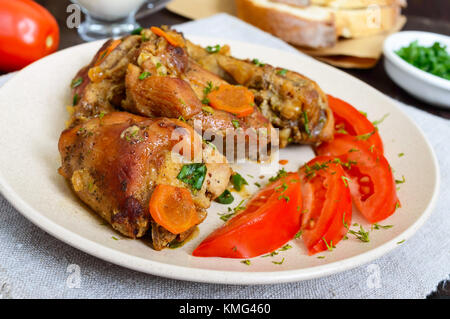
column 423, row 15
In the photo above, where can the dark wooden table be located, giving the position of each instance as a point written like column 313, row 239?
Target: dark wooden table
column 424, row 15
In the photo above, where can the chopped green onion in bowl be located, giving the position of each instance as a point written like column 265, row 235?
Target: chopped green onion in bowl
column 433, row 59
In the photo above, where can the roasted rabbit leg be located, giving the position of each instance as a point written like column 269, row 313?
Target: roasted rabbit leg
column 99, row 87
column 292, row 102
column 165, row 81
column 115, row 162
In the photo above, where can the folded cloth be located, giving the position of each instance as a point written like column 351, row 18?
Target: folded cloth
column 35, row 265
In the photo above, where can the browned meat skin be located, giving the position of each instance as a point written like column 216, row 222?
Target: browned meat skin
column 114, row 163
column 291, row 101
column 106, row 95
column 160, row 96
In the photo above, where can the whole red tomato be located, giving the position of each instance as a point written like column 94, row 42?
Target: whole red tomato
column 28, row 32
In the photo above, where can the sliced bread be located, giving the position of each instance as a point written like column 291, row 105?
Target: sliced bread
column 356, row 4
column 365, row 22
column 317, row 26
column 311, row 26
column 295, row 3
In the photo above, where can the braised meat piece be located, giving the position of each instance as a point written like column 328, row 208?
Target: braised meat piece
column 165, row 81
column 99, row 87
column 292, row 102
column 114, row 162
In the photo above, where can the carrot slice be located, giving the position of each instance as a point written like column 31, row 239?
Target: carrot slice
column 174, row 40
column 173, row 208
column 101, row 57
column 233, row 99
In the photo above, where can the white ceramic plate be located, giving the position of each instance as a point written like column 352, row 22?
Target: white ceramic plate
column 32, row 116
column 423, row 85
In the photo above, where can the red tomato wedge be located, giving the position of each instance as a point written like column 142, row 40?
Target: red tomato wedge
column 353, row 122
column 271, row 218
column 369, row 175
column 327, row 204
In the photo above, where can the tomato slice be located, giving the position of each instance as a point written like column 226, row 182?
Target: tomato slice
column 271, row 218
column 348, row 119
column 173, row 208
column 370, row 178
column 327, row 204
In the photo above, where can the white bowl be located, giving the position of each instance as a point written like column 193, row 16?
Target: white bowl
column 423, row 85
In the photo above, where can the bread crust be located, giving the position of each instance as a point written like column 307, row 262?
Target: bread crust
column 356, row 4
column 291, row 28
column 366, row 22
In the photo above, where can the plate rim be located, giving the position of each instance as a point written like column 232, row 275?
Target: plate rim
column 222, row 276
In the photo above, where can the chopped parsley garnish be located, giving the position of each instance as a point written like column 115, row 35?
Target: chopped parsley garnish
column 257, row 184
column 378, row 226
column 401, row 154
column 273, row 253
column 298, row 234
column 246, row 262
column 208, row 109
column 344, row 222
column 115, row 238
column 76, row 82
column 342, row 131
column 208, row 88
column 75, row 100
column 137, row 31
column 101, row 115
column 238, row 181
column 365, row 137
column 235, row 123
column 362, row 235
column 282, row 72
column 345, row 180
column 175, row 244
column 278, row 262
column 375, row 123
column 329, row 246
column 231, row 212
column 401, row 242
column 286, row 198
column 285, row 247
column 144, row 37
column 320, row 257
column 213, row 49
column 225, row 198
column 400, row 181
column 281, row 173
column 144, row 75
column 193, row 175
column 258, row 63
column 306, row 123
column 363, row 113
column 433, row 59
